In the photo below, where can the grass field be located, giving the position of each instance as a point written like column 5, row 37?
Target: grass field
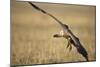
column 32, row 33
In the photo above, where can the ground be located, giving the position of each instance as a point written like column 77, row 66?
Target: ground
column 32, row 33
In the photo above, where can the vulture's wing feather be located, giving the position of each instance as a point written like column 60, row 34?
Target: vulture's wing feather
column 80, row 48
column 76, row 41
column 39, row 9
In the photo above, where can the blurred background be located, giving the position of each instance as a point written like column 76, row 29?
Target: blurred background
column 32, row 33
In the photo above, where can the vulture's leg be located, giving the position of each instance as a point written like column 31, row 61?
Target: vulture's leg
column 69, row 43
column 70, row 48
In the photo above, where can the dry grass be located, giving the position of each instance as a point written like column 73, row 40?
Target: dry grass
column 32, row 33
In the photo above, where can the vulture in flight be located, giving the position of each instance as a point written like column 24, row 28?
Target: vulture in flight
column 66, row 33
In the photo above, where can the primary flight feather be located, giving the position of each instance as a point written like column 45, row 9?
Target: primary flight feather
column 66, row 33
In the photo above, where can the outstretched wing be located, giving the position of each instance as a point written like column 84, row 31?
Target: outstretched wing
column 76, row 41
column 39, row 9
column 77, row 44
column 80, row 48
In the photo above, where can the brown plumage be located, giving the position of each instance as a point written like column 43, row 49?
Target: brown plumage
column 67, row 34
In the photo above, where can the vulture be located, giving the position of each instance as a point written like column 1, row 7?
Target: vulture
column 66, row 33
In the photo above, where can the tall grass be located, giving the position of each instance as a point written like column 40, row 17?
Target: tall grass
column 32, row 33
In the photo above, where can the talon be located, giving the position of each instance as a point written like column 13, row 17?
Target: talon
column 68, row 44
column 70, row 48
